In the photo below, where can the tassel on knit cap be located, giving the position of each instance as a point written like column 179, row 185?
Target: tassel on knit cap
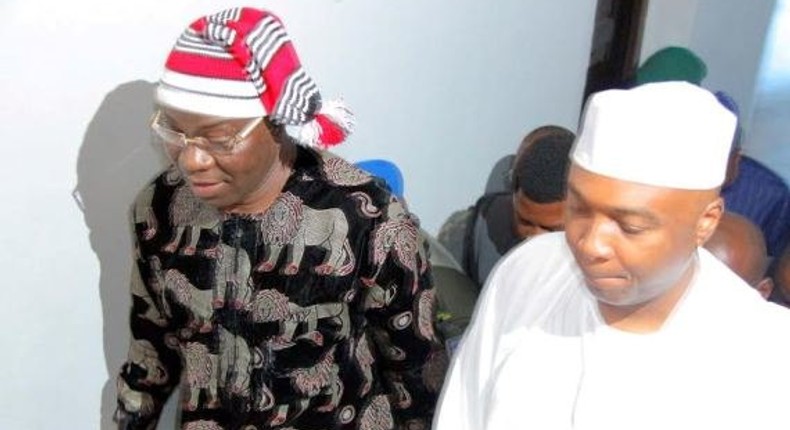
column 240, row 63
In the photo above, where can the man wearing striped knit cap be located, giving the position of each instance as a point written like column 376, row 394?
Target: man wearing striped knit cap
column 275, row 284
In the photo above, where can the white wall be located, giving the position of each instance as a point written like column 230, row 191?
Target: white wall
column 727, row 34
column 769, row 133
column 443, row 88
column 667, row 23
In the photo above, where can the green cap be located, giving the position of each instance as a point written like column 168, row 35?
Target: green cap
column 672, row 64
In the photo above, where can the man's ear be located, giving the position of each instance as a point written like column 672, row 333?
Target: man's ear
column 709, row 220
column 765, row 287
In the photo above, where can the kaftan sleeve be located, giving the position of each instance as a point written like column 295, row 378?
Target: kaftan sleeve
column 412, row 358
column 464, row 401
column 153, row 366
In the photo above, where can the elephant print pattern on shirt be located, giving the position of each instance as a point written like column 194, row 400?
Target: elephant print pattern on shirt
column 425, row 307
column 320, row 379
column 365, row 362
column 377, row 415
column 200, row 376
column 142, row 213
column 273, row 306
column 150, row 312
column 289, row 223
column 235, row 363
column 134, row 401
column 398, row 235
column 144, row 355
column 188, row 213
column 340, row 172
column 314, row 313
column 202, row 425
column 196, row 301
column 232, row 285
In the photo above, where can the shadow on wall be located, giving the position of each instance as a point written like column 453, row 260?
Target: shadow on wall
column 115, row 161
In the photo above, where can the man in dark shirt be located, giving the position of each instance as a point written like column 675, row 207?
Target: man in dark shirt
column 480, row 235
column 755, row 191
column 276, row 284
column 761, row 195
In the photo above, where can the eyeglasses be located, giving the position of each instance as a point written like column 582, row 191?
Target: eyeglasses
column 222, row 139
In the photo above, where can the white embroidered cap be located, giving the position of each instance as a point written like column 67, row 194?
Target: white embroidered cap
column 667, row 134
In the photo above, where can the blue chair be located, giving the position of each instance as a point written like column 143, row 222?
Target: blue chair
column 386, row 170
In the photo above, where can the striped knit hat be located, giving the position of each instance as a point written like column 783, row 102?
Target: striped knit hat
column 240, row 63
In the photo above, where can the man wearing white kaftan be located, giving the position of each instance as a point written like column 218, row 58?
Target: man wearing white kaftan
column 539, row 356
column 624, row 321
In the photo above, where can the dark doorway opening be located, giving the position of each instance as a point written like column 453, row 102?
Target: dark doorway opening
column 617, row 39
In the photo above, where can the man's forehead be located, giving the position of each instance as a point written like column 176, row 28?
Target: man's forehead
column 190, row 120
column 617, row 196
column 582, row 177
column 524, row 204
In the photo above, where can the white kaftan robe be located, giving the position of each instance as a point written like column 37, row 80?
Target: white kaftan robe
column 539, row 356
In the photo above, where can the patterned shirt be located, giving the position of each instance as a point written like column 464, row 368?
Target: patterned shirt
column 315, row 314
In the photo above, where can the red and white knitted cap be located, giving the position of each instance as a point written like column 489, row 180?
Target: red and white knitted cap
column 240, row 63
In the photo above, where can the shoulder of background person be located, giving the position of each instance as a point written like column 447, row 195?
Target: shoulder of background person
column 752, row 169
column 453, row 230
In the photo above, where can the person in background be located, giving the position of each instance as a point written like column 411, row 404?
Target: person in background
column 480, row 235
column 275, row 284
column 751, row 189
column 755, row 191
column 624, row 321
column 672, row 63
column 739, row 244
column 781, row 277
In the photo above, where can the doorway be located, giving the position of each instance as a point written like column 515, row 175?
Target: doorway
column 617, row 39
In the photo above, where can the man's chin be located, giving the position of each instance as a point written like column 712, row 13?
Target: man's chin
column 208, row 192
column 218, row 202
column 611, row 295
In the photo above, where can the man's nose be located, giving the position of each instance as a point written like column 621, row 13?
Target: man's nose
column 595, row 242
column 194, row 159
